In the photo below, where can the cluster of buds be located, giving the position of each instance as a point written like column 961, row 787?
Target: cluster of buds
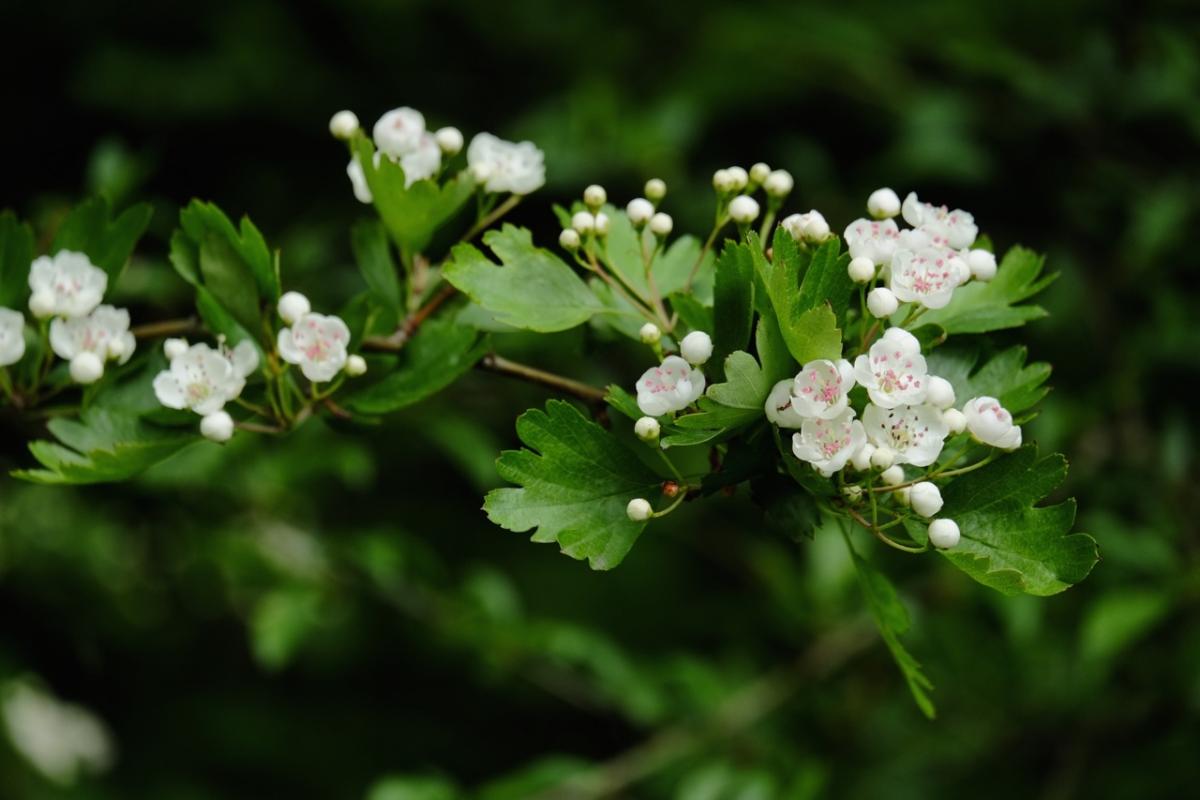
column 736, row 188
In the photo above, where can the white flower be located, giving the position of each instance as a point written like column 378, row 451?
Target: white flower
column 944, row 533
column 661, row 225
column 881, row 302
column 723, row 181
column 204, row 379
column 217, row 426
column 928, row 276
column 594, row 196
column 956, row 421
column 982, row 264
column 174, row 348
column 861, row 460
column 649, row 333
column 779, row 408
column 893, row 370
column 739, row 177
column 317, row 343
column 925, row 498
column 827, row 444
column 60, row 740
column 86, row 368
column 506, row 166
column 914, row 433
column 399, row 132
column 861, row 269
column 103, row 334
column 450, row 140
column 647, row 429
column 639, row 211
column 743, row 209
column 821, row 387
column 884, row 458
column 673, row 386
column 940, row 392
column 696, row 348
column 893, row 475
column 957, row 226
column 292, row 306
column 358, row 181
column 779, row 183
column 655, row 189
column 873, row 239
column 65, row 285
column 422, row 162
column 991, row 424
column 759, row 172
column 583, row 221
column 12, row 336
column 601, row 224
column 639, row 509
column 883, row 204
column 569, row 239
column 343, row 124
column 356, row 365
column 809, row 227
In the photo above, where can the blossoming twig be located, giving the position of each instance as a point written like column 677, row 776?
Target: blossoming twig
column 494, row 363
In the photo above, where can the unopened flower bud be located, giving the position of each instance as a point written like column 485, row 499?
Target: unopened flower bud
column 449, row 140
column 722, row 181
column 944, row 533
column 883, row 458
column 861, row 460
column 893, row 475
column 655, row 189
column 779, row 183
column 86, row 368
column 852, row 493
column 759, row 172
column 594, row 197
column 601, row 224
column 343, row 124
column 925, row 498
column 649, row 333
column 696, row 348
column 883, row 204
column 174, row 348
column 583, row 221
column 639, row 509
column 743, row 209
column 42, row 303
column 569, row 239
column 292, row 306
column 356, row 365
column 217, row 426
column 982, row 265
column 661, row 224
column 739, row 176
column 939, row 392
column 639, row 211
column 881, row 302
column 956, row 421
column 647, row 429
column 861, row 269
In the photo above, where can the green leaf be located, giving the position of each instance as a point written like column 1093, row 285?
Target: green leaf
column 733, row 301
column 108, row 242
column 229, row 280
column 823, row 272
column 534, row 289
column 809, row 291
column 892, row 619
column 413, row 788
column 981, row 307
column 1006, row 376
column 16, row 256
column 438, row 355
column 414, row 213
column 672, row 267
column 1008, row 543
column 372, row 251
column 814, row 335
column 281, row 621
column 576, row 479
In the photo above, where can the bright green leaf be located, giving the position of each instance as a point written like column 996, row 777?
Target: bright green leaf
column 1006, row 376
column 372, row 251
column 16, row 255
column 980, row 307
column 108, row 242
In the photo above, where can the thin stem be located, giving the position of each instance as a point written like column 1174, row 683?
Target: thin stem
column 494, row 363
column 942, row 473
column 674, row 504
column 257, row 409
column 255, row 427
column 708, row 245
column 881, row 536
column 486, row 221
column 168, row 327
column 410, row 325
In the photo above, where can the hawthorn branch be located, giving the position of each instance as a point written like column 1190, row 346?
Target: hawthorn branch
column 411, row 324
column 494, row 363
column 168, row 327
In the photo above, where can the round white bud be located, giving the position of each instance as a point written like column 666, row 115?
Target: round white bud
column 86, row 367
column 343, row 124
column 41, row 304
column 292, row 306
column 449, row 140
column 649, row 333
column 881, row 302
column 217, row 426
column 594, row 196
column 723, row 181
column 696, row 348
column 925, row 498
column 569, row 239
column 982, row 265
column 883, row 204
column 779, row 183
column 939, row 392
column 639, row 509
column 655, row 189
column 893, row 475
column 602, row 223
column 647, row 429
column 743, row 209
column 120, row 348
column 739, row 176
column 174, row 348
column 356, row 365
column 759, row 172
column 956, row 421
column 583, row 221
column 639, row 211
column 861, row 460
column 853, row 492
column 883, row 458
column 944, row 533
column 861, row 269
column 816, row 228
column 661, row 224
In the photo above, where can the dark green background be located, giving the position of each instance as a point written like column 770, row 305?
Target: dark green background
column 300, row 618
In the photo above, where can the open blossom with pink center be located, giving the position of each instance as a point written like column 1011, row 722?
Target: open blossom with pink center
column 827, row 444
column 893, row 371
column 928, row 276
column 956, row 226
column 821, row 388
column 203, row 379
column 66, row 284
column 317, row 344
column 104, row 333
column 915, row 434
column 779, row 407
column 991, row 423
column 500, row 166
column 672, row 386
column 873, row 239
column 399, row 132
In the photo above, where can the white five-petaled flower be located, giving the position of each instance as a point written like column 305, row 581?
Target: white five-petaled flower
column 991, row 423
column 893, row 371
column 821, row 388
column 779, row 407
column 928, row 276
column 399, row 132
column 827, row 444
column 873, row 239
column 317, row 344
column 501, row 166
column 12, row 336
column 672, row 386
column 203, row 379
column 914, row 434
column 66, row 284
column 104, row 334
column 956, row 226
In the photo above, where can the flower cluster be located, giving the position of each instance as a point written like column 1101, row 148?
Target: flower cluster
column 203, row 379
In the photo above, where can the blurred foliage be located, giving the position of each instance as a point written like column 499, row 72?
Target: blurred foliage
column 332, row 616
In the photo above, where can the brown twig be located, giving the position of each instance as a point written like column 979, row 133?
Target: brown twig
column 494, row 363
column 168, row 327
column 410, row 325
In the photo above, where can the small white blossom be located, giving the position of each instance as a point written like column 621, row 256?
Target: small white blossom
column 661, row 225
column 991, row 424
column 739, row 176
column 925, row 498
column 204, row 379
column 602, row 224
column 12, row 336
column 292, row 306
column 944, row 533
column 594, row 196
column 928, row 276
column 873, row 239
column 982, row 264
column 723, row 181
column 502, row 166
column 779, row 408
column 647, row 429
column 743, row 209
column 356, row 365
column 87, row 367
column 861, row 270
column 809, row 227
column 696, row 348
column 569, row 239
column 881, row 302
column 649, row 333
column 914, row 433
column 655, row 189
column 583, row 221
column 639, row 509
column 883, row 204
column 104, row 333
column 883, row 458
column 861, row 460
column 174, row 348
column 639, row 211
column 358, row 181
column 343, row 124
column 61, row 740
column 940, row 392
column 893, row 475
column 317, row 344
column 893, row 371
column 779, row 183
column 399, row 132
column 821, row 388
column 449, row 140
column 759, row 172
column 217, row 426
column 66, row 284
column 827, row 444
column 956, row 421
column 672, row 386
column 957, row 226
column 422, row 162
